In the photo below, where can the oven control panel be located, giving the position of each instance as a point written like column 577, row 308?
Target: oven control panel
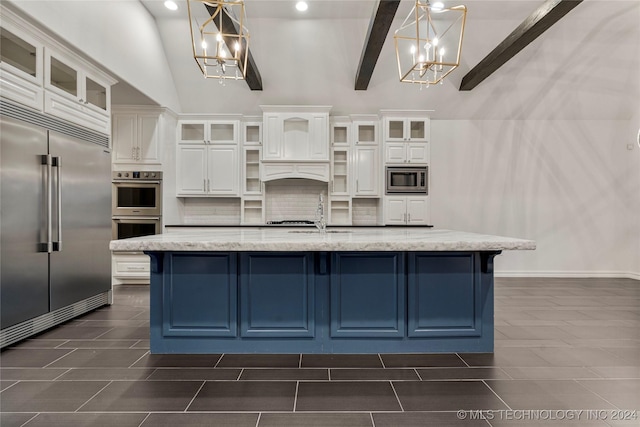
column 133, row 175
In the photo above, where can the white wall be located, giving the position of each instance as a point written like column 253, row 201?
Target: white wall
column 120, row 35
column 571, row 185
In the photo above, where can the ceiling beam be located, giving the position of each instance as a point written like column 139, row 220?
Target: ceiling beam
column 377, row 34
column 253, row 78
column 532, row 27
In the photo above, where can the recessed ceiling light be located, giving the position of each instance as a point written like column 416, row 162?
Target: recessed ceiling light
column 302, row 6
column 171, row 5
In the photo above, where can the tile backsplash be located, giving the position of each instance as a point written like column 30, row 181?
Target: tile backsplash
column 214, row 210
column 293, row 199
column 364, row 211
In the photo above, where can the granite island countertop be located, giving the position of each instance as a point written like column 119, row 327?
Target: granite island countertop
column 281, row 239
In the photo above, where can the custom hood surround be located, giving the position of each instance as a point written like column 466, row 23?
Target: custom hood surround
column 296, row 142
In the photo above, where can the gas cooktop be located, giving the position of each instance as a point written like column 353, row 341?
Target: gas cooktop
column 291, row 222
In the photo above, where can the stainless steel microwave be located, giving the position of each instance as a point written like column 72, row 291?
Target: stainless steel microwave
column 402, row 179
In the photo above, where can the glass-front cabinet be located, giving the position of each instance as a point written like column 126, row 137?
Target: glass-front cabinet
column 208, row 132
column 75, row 94
column 20, row 67
column 400, row 129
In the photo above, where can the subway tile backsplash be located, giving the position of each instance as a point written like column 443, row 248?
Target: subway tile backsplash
column 364, row 211
column 293, row 199
column 223, row 211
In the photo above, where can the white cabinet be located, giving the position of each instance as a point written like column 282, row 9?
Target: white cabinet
column 252, row 133
column 406, row 152
column 136, row 137
column 252, row 210
column 399, row 129
column 297, row 134
column 20, row 66
column 208, row 131
column 209, row 170
column 251, row 170
column 130, row 267
column 406, row 210
column 75, row 94
column 339, row 184
column 366, row 169
column 365, row 132
column 339, row 211
column 340, row 134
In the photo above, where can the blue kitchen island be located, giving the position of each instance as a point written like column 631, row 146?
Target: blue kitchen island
column 293, row 290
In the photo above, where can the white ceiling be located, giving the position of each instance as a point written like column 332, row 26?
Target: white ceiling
column 587, row 66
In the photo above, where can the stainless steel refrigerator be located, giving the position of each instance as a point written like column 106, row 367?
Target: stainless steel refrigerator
column 55, row 222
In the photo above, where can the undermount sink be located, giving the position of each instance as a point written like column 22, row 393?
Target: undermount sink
column 318, row 231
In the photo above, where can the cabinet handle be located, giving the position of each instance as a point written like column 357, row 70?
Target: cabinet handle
column 137, row 153
column 134, row 268
column 409, row 217
column 208, row 185
column 357, row 185
column 204, row 185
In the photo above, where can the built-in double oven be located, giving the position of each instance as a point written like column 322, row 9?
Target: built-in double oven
column 136, row 204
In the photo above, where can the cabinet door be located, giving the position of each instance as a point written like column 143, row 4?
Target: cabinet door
column 395, row 152
column 20, row 67
column 417, row 130
column 125, row 128
column 319, row 137
column 417, row 153
column 272, row 137
column 366, row 171
column 148, row 136
column 253, row 133
column 365, row 133
column 417, row 210
column 191, row 170
column 61, row 76
column 395, row 211
column 340, row 134
column 192, row 132
column 395, row 129
column 223, row 132
column 223, row 173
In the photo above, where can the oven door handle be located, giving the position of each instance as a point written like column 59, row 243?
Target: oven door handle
column 139, row 218
column 134, row 182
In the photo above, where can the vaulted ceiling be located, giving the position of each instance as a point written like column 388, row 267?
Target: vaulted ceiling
column 584, row 67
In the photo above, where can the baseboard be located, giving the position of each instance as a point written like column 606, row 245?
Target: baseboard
column 571, row 274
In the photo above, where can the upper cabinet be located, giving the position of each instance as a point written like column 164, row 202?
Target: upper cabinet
column 401, row 129
column 208, row 131
column 20, row 66
column 252, row 133
column 136, row 136
column 75, row 93
column 296, row 133
column 39, row 72
column 365, row 132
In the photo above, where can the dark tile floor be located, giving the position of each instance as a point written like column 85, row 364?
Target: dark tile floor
column 562, row 346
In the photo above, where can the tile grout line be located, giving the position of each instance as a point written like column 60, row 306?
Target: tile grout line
column 396, row 394
column 219, row 359
column 91, row 398
column 493, row 391
column 418, row 374
column 300, row 361
column 194, row 396
column 258, row 420
column 145, row 419
column 153, row 371
column 295, row 398
column 132, row 346
column 373, row 423
column 29, row 420
column 139, row 358
column 65, row 342
column 240, row 374
column 597, row 394
column 463, row 361
column 54, row 361
column 64, row 373
column 381, row 361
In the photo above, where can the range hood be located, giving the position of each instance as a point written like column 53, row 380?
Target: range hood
column 280, row 169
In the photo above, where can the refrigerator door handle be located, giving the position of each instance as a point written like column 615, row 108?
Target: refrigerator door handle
column 57, row 246
column 48, row 245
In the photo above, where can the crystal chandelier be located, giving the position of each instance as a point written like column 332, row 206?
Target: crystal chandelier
column 219, row 38
column 429, row 42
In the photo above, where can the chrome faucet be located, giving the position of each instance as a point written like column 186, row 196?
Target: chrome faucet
column 320, row 222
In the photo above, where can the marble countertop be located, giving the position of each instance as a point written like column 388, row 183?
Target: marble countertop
column 309, row 239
